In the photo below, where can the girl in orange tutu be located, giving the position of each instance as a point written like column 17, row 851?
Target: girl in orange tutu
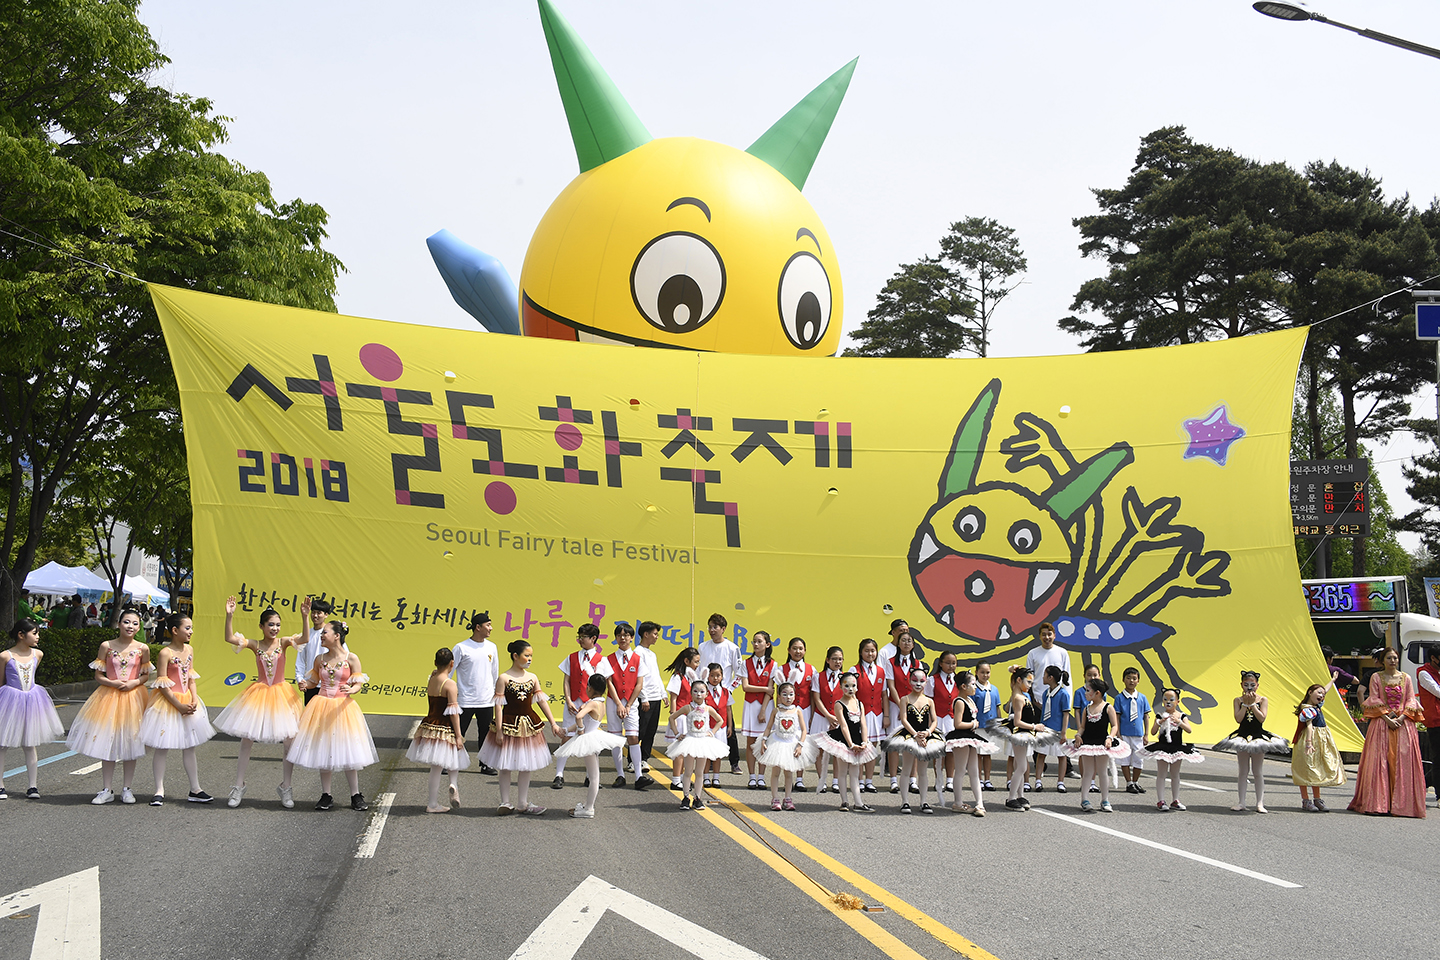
column 268, row 711
column 333, row 735
column 1391, row 778
column 108, row 725
column 176, row 719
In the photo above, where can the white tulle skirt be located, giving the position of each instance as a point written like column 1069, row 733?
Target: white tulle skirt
column 781, row 753
column 903, row 743
column 1118, row 751
column 841, row 752
column 166, row 728
column 435, row 746
column 517, row 754
column 332, row 736
column 984, row 748
column 703, row 747
column 264, row 713
column 590, row 744
column 28, row 717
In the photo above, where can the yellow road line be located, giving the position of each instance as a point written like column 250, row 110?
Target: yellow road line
column 883, row 940
column 871, row 889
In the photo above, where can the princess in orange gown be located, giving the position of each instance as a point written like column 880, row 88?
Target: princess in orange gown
column 1391, row 779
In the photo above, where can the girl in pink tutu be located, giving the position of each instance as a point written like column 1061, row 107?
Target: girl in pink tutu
column 333, row 735
column 701, row 741
column 784, row 745
column 848, row 744
column 268, row 711
column 588, row 741
column 438, row 740
column 107, row 727
column 1096, row 742
column 27, row 714
column 1169, row 748
column 176, row 719
column 516, row 742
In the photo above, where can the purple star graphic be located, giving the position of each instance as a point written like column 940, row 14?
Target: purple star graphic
column 1212, row 436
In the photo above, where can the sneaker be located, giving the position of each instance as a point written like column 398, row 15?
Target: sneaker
column 287, row 796
column 104, row 796
column 905, row 808
column 1139, row 788
column 3, row 794
column 32, row 793
column 199, row 796
column 357, row 802
column 1176, row 805
column 1160, row 805
column 1025, row 804
column 844, row 807
column 1087, row 806
column 1130, row 787
column 822, row 788
column 126, row 796
column 559, row 783
column 734, row 769
column 697, row 805
column 644, row 767
column 685, row 803
column 533, row 810
column 926, row 808
column 158, row 800
column 1307, row 805
column 505, row 809
column 775, row 803
column 895, row 786
column 1319, row 804
column 326, row 802
column 236, row 795
column 580, row 813
column 1014, row 805
column 787, row 804
column 1060, row 787
column 1105, row 807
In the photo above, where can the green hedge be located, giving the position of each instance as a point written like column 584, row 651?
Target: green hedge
column 68, row 653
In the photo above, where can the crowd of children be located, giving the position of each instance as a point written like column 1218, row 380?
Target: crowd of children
column 889, row 703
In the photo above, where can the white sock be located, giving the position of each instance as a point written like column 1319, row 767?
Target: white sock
column 560, row 766
column 618, row 755
column 635, row 759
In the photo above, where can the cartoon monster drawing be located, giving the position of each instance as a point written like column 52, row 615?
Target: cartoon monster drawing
column 677, row 242
column 992, row 560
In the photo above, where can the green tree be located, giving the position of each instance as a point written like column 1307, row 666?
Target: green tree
column 919, row 313
column 103, row 175
column 984, row 255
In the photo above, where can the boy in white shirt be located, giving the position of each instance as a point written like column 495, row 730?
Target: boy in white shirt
column 476, row 671
column 719, row 650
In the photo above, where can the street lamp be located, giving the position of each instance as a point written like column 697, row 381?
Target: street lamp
column 1288, row 11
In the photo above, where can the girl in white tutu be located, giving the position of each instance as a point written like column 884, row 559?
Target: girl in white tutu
column 438, row 741
column 967, row 744
column 268, row 711
column 588, row 741
column 27, row 714
column 176, row 718
column 333, row 734
column 848, row 745
column 698, row 745
column 1097, row 741
column 916, row 742
column 683, row 669
column 516, row 741
column 107, row 727
column 785, row 745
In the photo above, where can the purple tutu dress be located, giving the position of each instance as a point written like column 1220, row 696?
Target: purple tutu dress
column 27, row 715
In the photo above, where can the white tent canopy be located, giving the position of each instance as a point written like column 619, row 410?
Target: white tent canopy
column 142, row 589
column 57, row 580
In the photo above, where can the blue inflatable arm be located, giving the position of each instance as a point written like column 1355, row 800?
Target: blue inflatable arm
column 478, row 282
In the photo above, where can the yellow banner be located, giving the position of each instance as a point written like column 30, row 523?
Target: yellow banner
column 412, row 475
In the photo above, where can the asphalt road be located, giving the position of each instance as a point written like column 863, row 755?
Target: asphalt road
column 191, row 881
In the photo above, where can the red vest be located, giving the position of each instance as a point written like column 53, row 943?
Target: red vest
column 945, row 699
column 682, row 699
column 1428, row 701
column 580, row 675
column 801, row 681
column 758, row 679
column 828, row 694
column 625, row 679
column 900, row 675
column 721, row 703
column 871, row 692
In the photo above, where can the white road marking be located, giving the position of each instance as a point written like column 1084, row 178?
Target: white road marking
column 1200, row 786
column 69, row 923
column 370, row 839
column 84, row 770
column 561, row 935
column 1175, row 850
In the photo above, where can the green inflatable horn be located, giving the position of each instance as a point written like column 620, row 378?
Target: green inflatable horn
column 793, row 143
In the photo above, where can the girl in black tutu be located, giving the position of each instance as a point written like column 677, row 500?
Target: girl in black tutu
column 967, row 744
column 1251, row 741
column 1170, row 748
column 916, row 743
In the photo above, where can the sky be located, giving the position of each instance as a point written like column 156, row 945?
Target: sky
column 403, row 119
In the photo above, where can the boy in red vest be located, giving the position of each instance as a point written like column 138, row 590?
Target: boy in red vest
column 623, row 710
column 577, row 670
column 1428, row 679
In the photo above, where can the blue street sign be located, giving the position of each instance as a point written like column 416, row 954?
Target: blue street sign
column 1427, row 321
